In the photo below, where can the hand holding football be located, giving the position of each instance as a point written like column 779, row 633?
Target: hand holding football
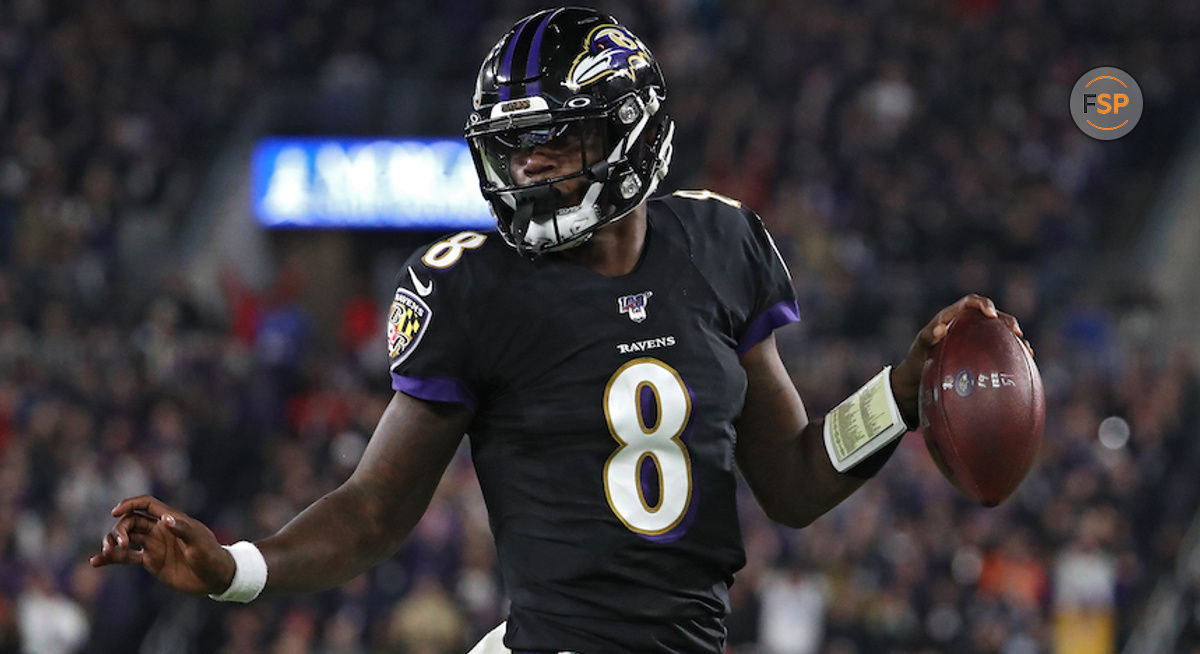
column 982, row 407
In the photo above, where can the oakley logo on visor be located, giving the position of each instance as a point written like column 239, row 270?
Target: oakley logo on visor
column 519, row 106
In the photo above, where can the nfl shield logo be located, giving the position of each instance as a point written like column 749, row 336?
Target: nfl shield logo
column 634, row 305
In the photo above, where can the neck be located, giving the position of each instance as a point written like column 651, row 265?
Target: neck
column 614, row 249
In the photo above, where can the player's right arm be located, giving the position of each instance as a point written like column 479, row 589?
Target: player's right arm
column 365, row 519
column 336, row 538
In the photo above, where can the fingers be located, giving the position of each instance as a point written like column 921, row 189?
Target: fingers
column 131, row 530
column 132, row 523
column 974, row 301
column 144, row 503
column 181, row 526
column 1011, row 322
column 129, row 533
column 111, row 554
column 150, row 508
column 138, row 517
column 980, row 303
column 936, row 330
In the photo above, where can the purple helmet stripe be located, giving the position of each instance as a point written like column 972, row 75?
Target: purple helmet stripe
column 506, row 64
column 535, row 53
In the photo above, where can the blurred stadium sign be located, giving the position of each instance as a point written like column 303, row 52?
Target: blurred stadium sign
column 367, row 183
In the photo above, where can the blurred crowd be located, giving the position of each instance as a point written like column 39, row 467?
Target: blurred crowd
column 902, row 152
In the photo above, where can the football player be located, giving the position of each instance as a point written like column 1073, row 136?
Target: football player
column 611, row 358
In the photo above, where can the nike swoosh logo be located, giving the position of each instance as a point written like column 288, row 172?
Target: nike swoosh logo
column 422, row 289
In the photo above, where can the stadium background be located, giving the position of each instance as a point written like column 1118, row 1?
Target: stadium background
column 903, row 152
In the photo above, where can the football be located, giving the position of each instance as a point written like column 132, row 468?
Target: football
column 982, row 407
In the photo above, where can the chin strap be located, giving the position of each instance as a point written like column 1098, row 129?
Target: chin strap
column 538, row 201
column 542, row 201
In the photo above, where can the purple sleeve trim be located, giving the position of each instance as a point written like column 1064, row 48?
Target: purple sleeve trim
column 435, row 389
column 766, row 322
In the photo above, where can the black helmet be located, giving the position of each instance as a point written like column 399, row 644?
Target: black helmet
column 568, row 73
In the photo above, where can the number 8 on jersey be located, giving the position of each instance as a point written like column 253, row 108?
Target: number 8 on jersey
column 634, row 391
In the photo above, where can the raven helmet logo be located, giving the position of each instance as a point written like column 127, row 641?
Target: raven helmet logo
column 609, row 50
column 634, row 305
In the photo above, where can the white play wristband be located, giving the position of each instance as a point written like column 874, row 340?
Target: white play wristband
column 249, row 575
column 863, row 423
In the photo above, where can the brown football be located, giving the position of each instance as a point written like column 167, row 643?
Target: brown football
column 982, row 407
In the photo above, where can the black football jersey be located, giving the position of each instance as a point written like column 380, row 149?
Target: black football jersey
column 602, row 435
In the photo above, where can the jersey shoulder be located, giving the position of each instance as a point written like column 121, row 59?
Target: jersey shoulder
column 702, row 203
column 440, row 302
column 717, row 226
column 459, row 265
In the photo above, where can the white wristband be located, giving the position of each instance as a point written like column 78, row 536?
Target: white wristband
column 249, row 575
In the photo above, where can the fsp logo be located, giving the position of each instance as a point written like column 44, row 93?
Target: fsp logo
column 1106, row 103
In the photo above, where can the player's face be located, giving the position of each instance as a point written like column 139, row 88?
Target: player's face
column 577, row 147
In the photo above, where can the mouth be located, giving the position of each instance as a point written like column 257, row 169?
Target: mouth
column 571, row 192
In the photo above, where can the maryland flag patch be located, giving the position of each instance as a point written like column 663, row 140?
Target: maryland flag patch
column 407, row 322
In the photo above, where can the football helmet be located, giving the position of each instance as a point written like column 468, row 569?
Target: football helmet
column 575, row 79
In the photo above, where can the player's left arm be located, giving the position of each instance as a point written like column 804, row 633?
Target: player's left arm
column 781, row 452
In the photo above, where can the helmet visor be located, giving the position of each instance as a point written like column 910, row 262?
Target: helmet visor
column 511, row 158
